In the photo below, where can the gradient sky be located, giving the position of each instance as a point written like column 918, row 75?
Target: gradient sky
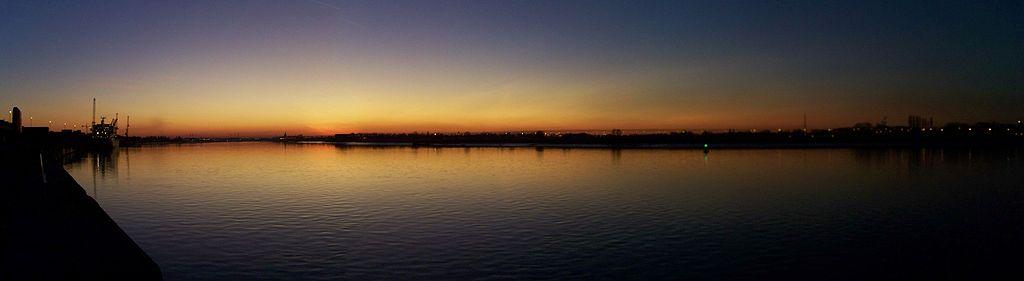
column 326, row 66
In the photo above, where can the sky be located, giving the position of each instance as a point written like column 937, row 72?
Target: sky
column 261, row 68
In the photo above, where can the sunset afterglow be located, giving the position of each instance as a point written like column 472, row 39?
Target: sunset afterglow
column 323, row 67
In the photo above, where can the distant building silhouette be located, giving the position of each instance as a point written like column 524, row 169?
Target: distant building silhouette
column 915, row 121
column 16, row 119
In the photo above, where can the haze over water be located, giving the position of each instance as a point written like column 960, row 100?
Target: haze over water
column 317, row 211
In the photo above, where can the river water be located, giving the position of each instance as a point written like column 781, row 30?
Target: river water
column 318, row 211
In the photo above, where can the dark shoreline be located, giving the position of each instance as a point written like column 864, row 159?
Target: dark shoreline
column 53, row 230
column 682, row 146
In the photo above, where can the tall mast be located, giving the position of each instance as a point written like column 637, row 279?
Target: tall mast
column 128, row 124
column 805, row 122
column 93, row 112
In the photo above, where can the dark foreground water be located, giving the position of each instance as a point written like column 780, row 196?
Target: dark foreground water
column 317, row 211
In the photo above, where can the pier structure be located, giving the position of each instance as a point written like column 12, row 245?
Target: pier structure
column 51, row 229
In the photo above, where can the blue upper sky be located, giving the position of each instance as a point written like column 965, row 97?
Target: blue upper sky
column 389, row 65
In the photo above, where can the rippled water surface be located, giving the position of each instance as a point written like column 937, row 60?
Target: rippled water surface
column 318, row 211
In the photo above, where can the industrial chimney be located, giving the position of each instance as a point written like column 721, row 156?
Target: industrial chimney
column 16, row 119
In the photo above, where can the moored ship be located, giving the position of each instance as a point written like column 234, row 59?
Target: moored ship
column 103, row 135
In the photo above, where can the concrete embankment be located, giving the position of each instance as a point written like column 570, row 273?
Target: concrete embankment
column 52, row 230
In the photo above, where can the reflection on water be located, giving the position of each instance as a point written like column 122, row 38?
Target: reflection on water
column 316, row 211
column 916, row 160
column 616, row 156
column 102, row 165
